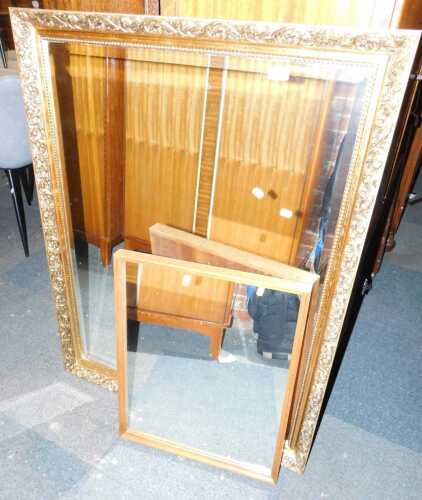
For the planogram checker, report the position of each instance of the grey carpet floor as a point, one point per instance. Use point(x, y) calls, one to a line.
point(58, 434)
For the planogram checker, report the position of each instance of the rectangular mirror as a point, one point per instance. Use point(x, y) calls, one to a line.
point(267, 138)
point(207, 359)
point(259, 162)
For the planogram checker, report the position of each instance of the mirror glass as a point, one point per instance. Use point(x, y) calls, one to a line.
point(250, 150)
point(208, 361)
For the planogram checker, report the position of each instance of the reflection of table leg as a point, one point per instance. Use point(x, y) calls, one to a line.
point(216, 340)
point(105, 250)
point(212, 330)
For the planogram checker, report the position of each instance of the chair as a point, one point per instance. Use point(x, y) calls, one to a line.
point(15, 155)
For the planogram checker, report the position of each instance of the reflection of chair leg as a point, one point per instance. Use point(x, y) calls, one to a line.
point(3, 49)
point(15, 191)
point(28, 181)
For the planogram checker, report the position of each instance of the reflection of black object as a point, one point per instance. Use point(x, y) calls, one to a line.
point(343, 154)
point(274, 314)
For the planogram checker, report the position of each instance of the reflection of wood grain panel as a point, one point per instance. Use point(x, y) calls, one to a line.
point(268, 140)
point(164, 243)
point(170, 242)
point(211, 120)
point(124, 6)
point(162, 291)
point(88, 76)
point(113, 157)
point(164, 108)
point(158, 296)
point(364, 13)
point(89, 91)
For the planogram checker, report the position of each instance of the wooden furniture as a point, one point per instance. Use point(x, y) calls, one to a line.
point(407, 159)
point(212, 200)
point(123, 6)
point(89, 88)
point(188, 177)
point(373, 14)
point(178, 300)
point(93, 151)
point(161, 154)
point(364, 13)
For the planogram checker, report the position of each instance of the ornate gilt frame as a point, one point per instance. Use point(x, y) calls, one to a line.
point(392, 53)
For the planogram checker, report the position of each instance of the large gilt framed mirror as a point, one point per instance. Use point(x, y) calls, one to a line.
point(270, 139)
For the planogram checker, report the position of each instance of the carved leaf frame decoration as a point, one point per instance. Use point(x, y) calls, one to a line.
point(398, 49)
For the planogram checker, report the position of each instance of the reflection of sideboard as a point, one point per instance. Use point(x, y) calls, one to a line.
point(89, 93)
point(215, 198)
point(110, 195)
point(220, 207)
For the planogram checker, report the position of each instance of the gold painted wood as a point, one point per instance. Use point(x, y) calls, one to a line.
point(163, 122)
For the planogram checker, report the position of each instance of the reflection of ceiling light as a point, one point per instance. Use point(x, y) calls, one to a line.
point(186, 280)
point(260, 291)
point(258, 192)
point(281, 73)
point(286, 213)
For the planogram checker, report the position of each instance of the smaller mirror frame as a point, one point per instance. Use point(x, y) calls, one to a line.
point(302, 289)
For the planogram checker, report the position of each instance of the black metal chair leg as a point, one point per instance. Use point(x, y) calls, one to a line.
point(15, 191)
point(3, 51)
point(27, 179)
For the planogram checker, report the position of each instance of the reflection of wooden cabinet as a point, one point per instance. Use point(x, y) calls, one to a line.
point(167, 171)
point(91, 96)
point(204, 137)
point(161, 157)
point(173, 298)
point(263, 122)
point(89, 90)
point(363, 13)
point(125, 6)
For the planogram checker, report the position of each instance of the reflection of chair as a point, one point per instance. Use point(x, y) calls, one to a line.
point(15, 155)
